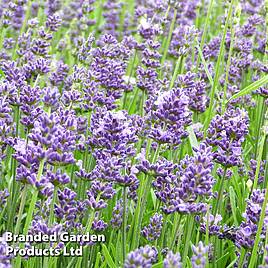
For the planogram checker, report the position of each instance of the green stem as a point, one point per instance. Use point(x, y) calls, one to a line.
point(228, 67)
point(15, 189)
point(171, 29)
point(132, 105)
point(22, 205)
point(34, 199)
point(204, 35)
point(175, 73)
point(132, 66)
point(2, 36)
point(207, 235)
point(23, 27)
point(162, 237)
point(2, 215)
point(219, 199)
point(242, 257)
point(261, 148)
point(175, 230)
point(51, 212)
point(253, 258)
point(111, 239)
point(124, 225)
point(218, 66)
point(143, 97)
point(143, 193)
point(188, 239)
point(87, 229)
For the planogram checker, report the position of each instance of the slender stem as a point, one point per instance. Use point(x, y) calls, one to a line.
point(228, 67)
point(87, 229)
point(22, 204)
point(175, 230)
point(2, 36)
point(188, 239)
point(171, 29)
point(132, 67)
point(260, 112)
point(2, 215)
point(242, 257)
point(219, 199)
point(14, 191)
point(53, 201)
point(175, 73)
point(261, 148)
point(111, 239)
point(131, 108)
point(218, 66)
point(162, 237)
point(142, 202)
point(34, 199)
point(143, 97)
point(124, 225)
point(253, 258)
point(207, 235)
point(265, 246)
point(204, 35)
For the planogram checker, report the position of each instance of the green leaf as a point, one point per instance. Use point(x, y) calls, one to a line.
point(108, 257)
point(233, 204)
point(232, 263)
point(158, 265)
point(193, 140)
point(205, 65)
point(2, 74)
point(218, 67)
point(97, 260)
point(188, 262)
point(250, 88)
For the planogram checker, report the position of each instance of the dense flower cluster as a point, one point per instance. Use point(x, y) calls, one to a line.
point(153, 231)
point(142, 257)
point(180, 187)
point(246, 233)
point(227, 133)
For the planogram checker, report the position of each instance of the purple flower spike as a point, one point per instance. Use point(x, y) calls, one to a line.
point(172, 260)
point(153, 231)
point(141, 257)
point(198, 259)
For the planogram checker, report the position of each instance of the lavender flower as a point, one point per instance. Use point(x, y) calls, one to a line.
point(117, 215)
point(153, 231)
point(227, 134)
point(99, 225)
point(170, 117)
point(172, 260)
point(252, 171)
point(3, 197)
point(141, 257)
point(246, 233)
point(198, 259)
point(179, 189)
point(5, 260)
point(213, 224)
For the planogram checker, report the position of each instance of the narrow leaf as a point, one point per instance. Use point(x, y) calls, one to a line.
point(158, 265)
point(108, 257)
point(205, 65)
point(233, 204)
point(250, 88)
point(192, 137)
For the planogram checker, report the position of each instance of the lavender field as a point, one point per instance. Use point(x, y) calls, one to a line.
point(133, 133)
